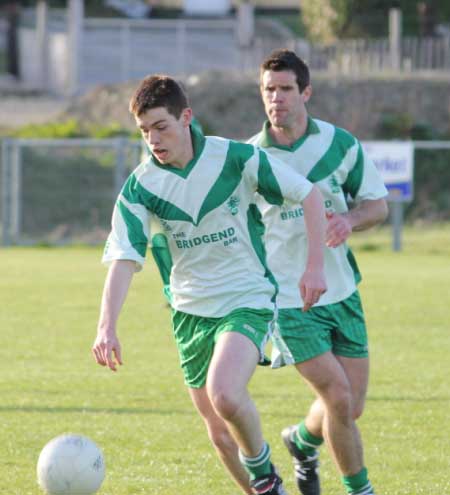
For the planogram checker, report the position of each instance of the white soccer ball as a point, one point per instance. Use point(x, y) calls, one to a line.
point(70, 465)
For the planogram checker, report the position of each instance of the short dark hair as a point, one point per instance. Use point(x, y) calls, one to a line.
point(284, 59)
point(158, 91)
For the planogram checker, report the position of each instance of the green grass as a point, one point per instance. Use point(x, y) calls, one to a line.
point(154, 442)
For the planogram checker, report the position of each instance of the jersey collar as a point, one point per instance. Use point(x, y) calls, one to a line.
point(266, 140)
point(198, 144)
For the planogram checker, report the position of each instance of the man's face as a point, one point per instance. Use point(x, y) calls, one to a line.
point(283, 102)
point(164, 134)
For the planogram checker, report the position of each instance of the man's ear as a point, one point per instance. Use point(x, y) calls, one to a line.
point(307, 93)
point(186, 117)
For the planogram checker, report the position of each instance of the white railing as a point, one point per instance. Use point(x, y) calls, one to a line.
point(119, 50)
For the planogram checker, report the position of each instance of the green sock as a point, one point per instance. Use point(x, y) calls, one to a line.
point(306, 441)
point(257, 466)
point(358, 484)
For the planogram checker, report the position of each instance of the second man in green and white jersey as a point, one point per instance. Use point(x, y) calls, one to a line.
point(328, 343)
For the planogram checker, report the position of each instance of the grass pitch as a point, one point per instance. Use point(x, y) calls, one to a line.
point(153, 440)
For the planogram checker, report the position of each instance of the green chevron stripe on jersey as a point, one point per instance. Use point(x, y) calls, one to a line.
point(135, 229)
point(135, 193)
point(335, 161)
point(354, 179)
point(238, 154)
point(256, 230)
point(352, 260)
point(217, 264)
point(162, 257)
point(332, 159)
point(268, 185)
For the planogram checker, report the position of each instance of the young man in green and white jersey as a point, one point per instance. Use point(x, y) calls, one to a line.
point(328, 343)
point(202, 191)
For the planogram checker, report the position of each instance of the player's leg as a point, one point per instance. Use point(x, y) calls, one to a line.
point(237, 352)
point(350, 346)
point(310, 339)
point(195, 343)
point(233, 363)
point(220, 437)
point(327, 378)
point(303, 337)
point(357, 372)
point(309, 433)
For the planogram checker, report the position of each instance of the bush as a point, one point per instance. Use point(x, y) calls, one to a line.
point(72, 129)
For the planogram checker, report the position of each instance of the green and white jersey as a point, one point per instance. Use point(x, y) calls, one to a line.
point(335, 161)
point(207, 212)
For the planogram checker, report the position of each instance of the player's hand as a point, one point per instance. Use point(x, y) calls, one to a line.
point(338, 230)
point(106, 350)
point(312, 285)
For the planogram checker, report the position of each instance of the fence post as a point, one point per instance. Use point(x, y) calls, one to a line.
point(75, 15)
point(42, 42)
point(16, 192)
point(6, 190)
point(245, 24)
point(120, 168)
point(395, 38)
point(396, 208)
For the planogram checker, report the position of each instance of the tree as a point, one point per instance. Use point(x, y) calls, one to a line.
point(325, 20)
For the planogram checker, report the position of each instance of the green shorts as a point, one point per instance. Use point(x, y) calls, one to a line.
point(196, 337)
point(339, 328)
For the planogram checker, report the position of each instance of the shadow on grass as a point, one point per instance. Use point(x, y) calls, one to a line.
point(381, 398)
point(408, 399)
point(95, 410)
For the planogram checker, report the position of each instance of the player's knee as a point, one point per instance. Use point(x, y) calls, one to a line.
point(358, 409)
point(220, 437)
point(225, 403)
point(339, 401)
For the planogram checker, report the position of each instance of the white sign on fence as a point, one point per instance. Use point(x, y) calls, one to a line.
point(395, 162)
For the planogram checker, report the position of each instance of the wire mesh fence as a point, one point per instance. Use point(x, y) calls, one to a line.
point(62, 191)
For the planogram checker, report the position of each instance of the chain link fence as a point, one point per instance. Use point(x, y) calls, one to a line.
point(62, 191)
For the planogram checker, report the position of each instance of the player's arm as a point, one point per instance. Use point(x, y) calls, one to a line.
point(365, 185)
point(312, 283)
point(278, 182)
point(365, 214)
point(106, 348)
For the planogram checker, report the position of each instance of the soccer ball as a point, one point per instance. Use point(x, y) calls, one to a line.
point(70, 465)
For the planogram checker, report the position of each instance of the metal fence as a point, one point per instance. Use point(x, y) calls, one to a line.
point(60, 191)
point(119, 50)
point(363, 56)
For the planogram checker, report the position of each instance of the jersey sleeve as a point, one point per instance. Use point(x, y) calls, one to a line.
point(159, 246)
point(364, 182)
point(130, 228)
point(278, 183)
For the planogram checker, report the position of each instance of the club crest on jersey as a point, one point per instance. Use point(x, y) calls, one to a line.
point(334, 185)
point(233, 204)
